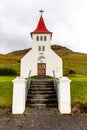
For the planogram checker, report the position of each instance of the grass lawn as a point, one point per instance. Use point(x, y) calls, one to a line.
point(15, 67)
point(6, 90)
point(78, 89)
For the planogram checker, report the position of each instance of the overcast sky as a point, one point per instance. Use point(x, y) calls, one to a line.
point(67, 19)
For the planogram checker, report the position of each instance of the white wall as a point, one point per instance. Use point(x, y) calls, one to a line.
point(54, 63)
point(26, 64)
point(64, 97)
point(19, 95)
point(52, 60)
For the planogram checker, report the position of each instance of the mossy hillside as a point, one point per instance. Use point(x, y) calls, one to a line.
point(71, 60)
point(79, 88)
point(6, 91)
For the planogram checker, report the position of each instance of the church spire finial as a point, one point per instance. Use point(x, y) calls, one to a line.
point(41, 11)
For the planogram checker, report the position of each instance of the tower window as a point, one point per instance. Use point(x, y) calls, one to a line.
point(41, 38)
point(39, 48)
point(37, 38)
point(45, 38)
point(43, 48)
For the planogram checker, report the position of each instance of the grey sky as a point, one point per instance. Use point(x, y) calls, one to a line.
point(67, 19)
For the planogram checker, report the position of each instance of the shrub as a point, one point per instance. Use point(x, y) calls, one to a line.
point(71, 72)
point(7, 72)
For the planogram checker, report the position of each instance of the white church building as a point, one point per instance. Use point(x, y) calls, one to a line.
point(41, 60)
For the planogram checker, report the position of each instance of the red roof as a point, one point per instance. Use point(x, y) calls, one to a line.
point(41, 28)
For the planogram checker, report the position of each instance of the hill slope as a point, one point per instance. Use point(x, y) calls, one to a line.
point(71, 60)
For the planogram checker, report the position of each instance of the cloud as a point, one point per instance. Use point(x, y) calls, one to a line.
point(67, 20)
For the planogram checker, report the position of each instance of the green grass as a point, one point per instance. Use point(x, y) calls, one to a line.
point(6, 90)
point(15, 67)
point(77, 62)
point(79, 89)
point(71, 60)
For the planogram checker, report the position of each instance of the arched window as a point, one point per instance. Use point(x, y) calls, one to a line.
point(42, 59)
point(37, 38)
point(43, 48)
point(45, 38)
point(39, 48)
point(41, 38)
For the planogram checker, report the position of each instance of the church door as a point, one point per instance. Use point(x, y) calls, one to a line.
point(41, 69)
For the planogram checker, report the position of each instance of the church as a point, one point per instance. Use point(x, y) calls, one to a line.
point(41, 60)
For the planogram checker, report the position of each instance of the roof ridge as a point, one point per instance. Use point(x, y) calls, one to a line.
point(41, 27)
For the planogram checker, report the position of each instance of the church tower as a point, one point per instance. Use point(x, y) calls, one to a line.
point(41, 36)
point(41, 60)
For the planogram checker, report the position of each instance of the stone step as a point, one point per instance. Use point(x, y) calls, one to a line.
point(42, 77)
point(41, 85)
point(38, 82)
point(38, 105)
point(42, 101)
point(41, 89)
point(42, 92)
point(40, 96)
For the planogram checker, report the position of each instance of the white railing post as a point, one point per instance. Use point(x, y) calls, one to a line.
point(19, 95)
point(64, 98)
point(54, 80)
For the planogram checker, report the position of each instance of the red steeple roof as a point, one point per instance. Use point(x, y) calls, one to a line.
point(41, 28)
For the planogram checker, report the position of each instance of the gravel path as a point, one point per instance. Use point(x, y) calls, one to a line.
point(46, 119)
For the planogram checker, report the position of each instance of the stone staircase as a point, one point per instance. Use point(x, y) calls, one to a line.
point(41, 93)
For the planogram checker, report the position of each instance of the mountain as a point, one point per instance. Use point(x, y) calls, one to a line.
point(71, 60)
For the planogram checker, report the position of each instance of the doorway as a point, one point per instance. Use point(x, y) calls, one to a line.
point(41, 69)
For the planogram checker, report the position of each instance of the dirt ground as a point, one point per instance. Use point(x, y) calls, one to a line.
point(41, 119)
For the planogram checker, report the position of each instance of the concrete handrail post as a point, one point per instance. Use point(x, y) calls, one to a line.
point(64, 98)
point(19, 95)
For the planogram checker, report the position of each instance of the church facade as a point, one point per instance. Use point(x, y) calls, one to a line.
point(41, 59)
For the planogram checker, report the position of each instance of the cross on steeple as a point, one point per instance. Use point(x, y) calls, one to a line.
point(41, 11)
point(41, 27)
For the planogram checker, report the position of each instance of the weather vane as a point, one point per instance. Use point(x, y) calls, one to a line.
point(41, 11)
